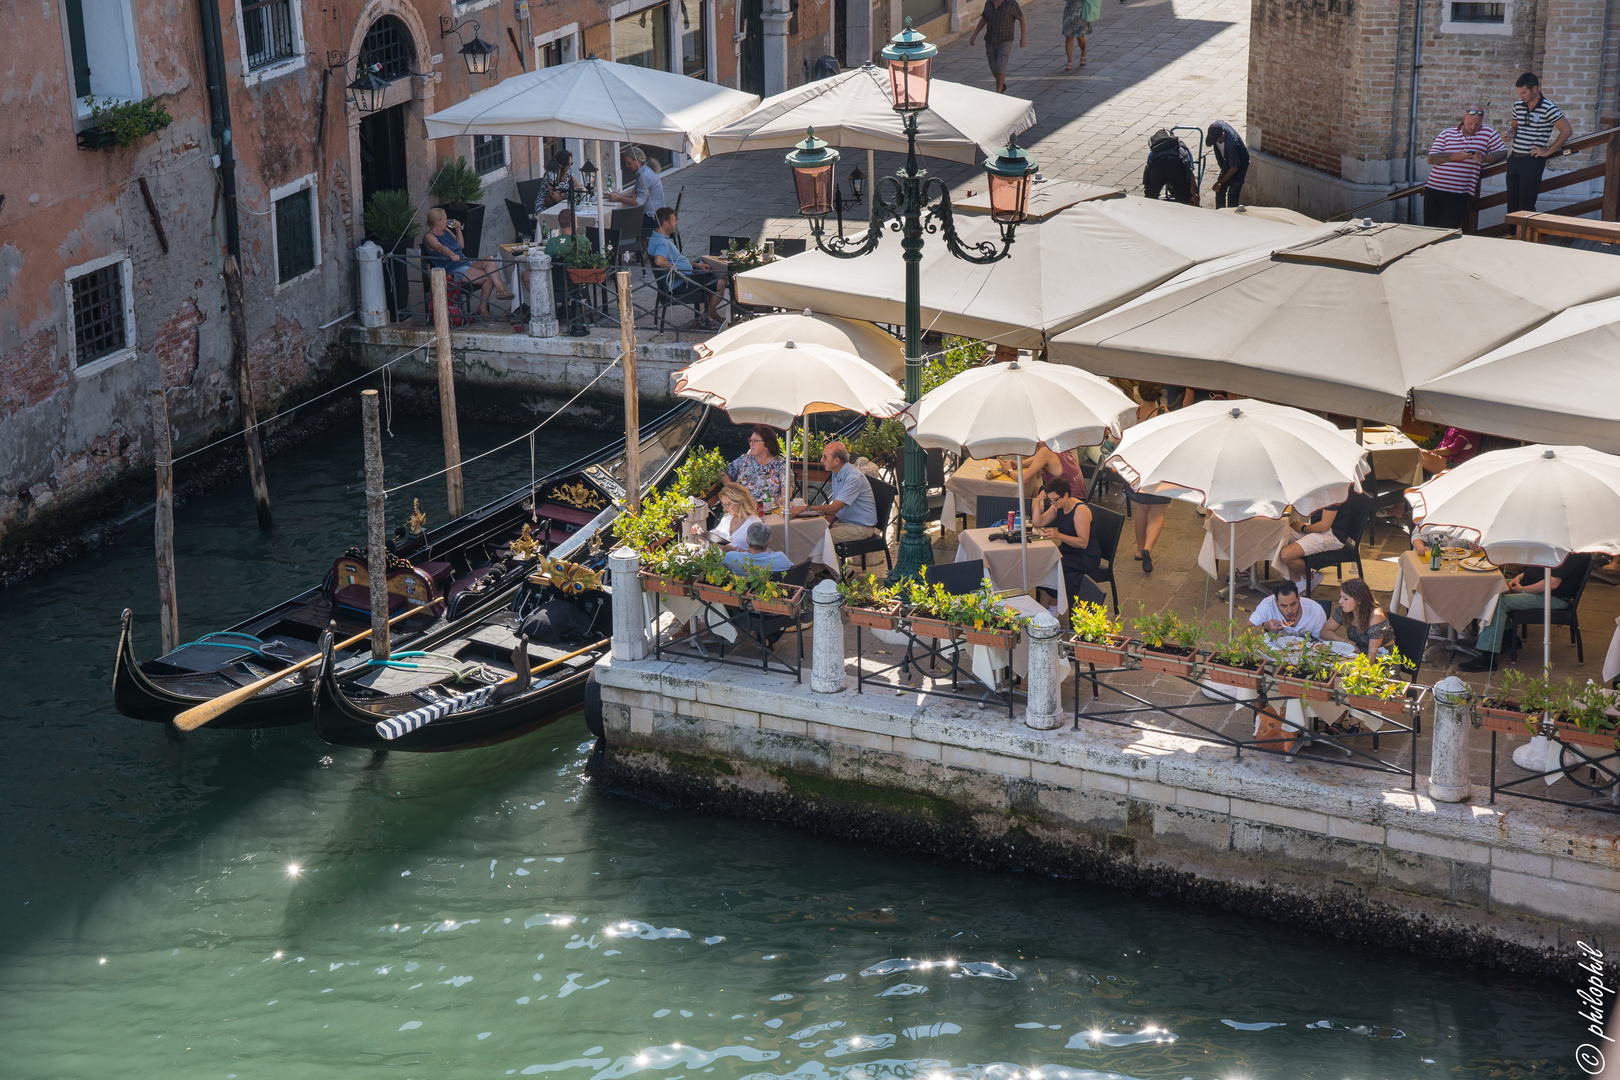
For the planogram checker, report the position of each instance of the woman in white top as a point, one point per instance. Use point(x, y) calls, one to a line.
point(740, 511)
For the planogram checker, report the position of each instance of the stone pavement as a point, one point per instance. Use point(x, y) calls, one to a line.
point(1151, 64)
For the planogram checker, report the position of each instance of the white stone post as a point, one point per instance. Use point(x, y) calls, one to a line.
point(1043, 711)
point(1448, 755)
point(629, 614)
point(774, 20)
point(542, 305)
point(373, 300)
point(827, 643)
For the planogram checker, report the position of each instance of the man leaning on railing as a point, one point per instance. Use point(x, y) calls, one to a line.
point(1455, 160)
point(1539, 130)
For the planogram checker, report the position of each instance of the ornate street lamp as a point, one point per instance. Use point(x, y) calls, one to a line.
point(368, 88)
point(477, 54)
point(905, 199)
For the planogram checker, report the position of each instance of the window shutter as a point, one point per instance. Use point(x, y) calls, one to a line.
point(81, 56)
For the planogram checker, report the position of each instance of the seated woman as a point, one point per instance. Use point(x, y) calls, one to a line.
point(1070, 525)
point(760, 471)
point(1359, 620)
point(740, 512)
point(442, 242)
point(1048, 464)
point(554, 181)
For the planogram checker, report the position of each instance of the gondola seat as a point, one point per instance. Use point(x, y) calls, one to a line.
point(407, 587)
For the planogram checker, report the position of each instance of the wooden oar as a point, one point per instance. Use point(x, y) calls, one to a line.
point(560, 659)
point(198, 715)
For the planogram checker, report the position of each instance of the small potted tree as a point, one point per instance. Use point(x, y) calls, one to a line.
point(1098, 639)
point(1373, 683)
point(584, 266)
point(1168, 643)
point(390, 221)
point(866, 603)
point(457, 187)
point(933, 610)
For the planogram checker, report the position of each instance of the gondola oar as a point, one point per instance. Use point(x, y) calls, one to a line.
point(198, 715)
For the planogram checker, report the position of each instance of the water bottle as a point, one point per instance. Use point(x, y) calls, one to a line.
point(1434, 554)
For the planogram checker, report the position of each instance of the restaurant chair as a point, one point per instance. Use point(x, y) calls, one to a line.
point(629, 222)
point(1108, 527)
point(528, 191)
point(995, 508)
point(1569, 616)
point(958, 578)
point(789, 246)
point(1411, 638)
point(883, 496)
point(1352, 522)
point(719, 244)
point(665, 297)
point(522, 220)
point(934, 483)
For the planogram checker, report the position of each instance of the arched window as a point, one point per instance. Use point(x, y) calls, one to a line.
point(388, 45)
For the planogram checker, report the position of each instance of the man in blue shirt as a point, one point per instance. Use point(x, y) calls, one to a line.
point(1233, 158)
point(850, 510)
point(684, 281)
point(759, 539)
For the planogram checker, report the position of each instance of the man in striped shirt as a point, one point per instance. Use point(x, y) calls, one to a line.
point(1536, 121)
point(1455, 159)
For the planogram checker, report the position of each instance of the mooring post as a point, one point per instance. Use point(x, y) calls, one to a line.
point(827, 644)
point(1045, 705)
point(376, 524)
point(244, 390)
point(632, 397)
point(542, 306)
point(629, 613)
point(1448, 756)
point(163, 531)
point(447, 394)
point(373, 296)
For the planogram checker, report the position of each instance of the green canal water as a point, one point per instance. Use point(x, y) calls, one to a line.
point(241, 906)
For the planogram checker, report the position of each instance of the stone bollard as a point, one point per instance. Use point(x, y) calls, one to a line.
point(373, 298)
point(1448, 757)
point(1043, 711)
point(827, 644)
point(629, 613)
point(542, 305)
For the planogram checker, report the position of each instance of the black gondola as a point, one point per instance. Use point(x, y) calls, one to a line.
point(460, 568)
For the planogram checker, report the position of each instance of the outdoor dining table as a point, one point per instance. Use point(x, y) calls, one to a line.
point(584, 215)
point(1258, 540)
point(811, 540)
point(1394, 456)
point(1003, 563)
point(1451, 595)
point(972, 479)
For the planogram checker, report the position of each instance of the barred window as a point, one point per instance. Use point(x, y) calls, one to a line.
point(489, 153)
point(1478, 13)
point(100, 323)
point(268, 36)
point(295, 235)
point(388, 45)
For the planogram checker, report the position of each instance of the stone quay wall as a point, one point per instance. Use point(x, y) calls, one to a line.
point(1353, 855)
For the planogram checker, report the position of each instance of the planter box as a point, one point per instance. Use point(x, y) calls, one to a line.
point(1395, 706)
point(1166, 662)
point(1231, 675)
point(995, 639)
point(714, 594)
point(785, 605)
point(1513, 723)
point(1501, 718)
point(1108, 653)
point(98, 139)
point(883, 618)
point(658, 583)
point(925, 627)
point(1291, 686)
point(585, 276)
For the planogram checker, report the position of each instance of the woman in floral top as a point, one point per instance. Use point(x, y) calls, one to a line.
point(760, 471)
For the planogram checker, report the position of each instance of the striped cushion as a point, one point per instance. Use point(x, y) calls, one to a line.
point(405, 723)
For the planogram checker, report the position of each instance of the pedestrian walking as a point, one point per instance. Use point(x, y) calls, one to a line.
point(1455, 159)
point(1233, 158)
point(1170, 169)
point(997, 24)
point(1539, 129)
point(1078, 15)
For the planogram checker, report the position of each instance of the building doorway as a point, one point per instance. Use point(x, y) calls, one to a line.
point(382, 152)
point(751, 63)
point(841, 32)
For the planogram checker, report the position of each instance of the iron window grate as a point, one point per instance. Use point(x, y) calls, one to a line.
point(387, 46)
point(267, 32)
point(295, 235)
point(98, 314)
point(489, 153)
point(1478, 13)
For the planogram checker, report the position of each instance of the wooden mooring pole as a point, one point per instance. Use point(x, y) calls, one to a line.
point(632, 397)
point(447, 394)
point(244, 390)
point(376, 524)
point(163, 530)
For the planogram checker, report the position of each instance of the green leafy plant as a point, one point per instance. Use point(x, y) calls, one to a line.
point(576, 254)
point(677, 561)
point(1588, 708)
point(1382, 677)
point(744, 256)
point(712, 569)
point(865, 592)
point(456, 182)
point(655, 525)
point(760, 583)
point(816, 444)
point(1092, 623)
point(983, 609)
point(701, 472)
point(932, 600)
point(880, 441)
point(390, 219)
point(129, 120)
point(1241, 645)
point(1315, 660)
point(959, 355)
point(1166, 628)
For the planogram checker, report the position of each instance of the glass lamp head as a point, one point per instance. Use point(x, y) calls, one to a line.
point(368, 88)
point(812, 162)
point(477, 54)
point(1011, 174)
point(910, 57)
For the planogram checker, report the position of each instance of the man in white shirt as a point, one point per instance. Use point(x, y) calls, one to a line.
point(1283, 614)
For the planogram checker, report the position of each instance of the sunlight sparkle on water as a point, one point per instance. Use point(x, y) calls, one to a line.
point(293, 869)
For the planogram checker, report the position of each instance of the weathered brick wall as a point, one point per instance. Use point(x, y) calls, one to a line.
point(1299, 54)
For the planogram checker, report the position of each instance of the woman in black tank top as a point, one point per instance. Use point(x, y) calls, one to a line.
point(1070, 525)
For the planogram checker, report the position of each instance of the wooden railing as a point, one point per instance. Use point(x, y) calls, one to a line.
point(1608, 204)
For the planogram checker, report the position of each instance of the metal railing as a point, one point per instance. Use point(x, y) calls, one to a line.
point(1586, 773)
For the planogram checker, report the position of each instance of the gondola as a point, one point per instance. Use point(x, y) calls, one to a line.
point(459, 570)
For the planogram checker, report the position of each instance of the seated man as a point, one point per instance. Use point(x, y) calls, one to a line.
point(1317, 536)
point(685, 282)
point(1426, 536)
point(1283, 614)
point(1524, 593)
point(442, 243)
point(851, 511)
point(758, 539)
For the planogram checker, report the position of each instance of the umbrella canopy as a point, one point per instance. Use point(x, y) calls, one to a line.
point(882, 350)
point(1531, 504)
point(1554, 384)
point(1013, 407)
point(1073, 266)
point(1046, 197)
point(855, 110)
point(1242, 459)
point(595, 99)
point(775, 383)
point(1273, 213)
point(1345, 322)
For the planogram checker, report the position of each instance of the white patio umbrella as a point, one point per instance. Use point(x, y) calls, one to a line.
point(598, 100)
point(1531, 505)
point(1239, 460)
point(1012, 408)
point(877, 347)
point(775, 383)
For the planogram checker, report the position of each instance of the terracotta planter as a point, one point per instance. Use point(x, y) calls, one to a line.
point(714, 594)
point(1232, 675)
point(1395, 706)
point(1167, 662)
point(995, 639)
point(1108, 653)
point(1579, 736)
point(1502, 718)
point(586, 276)
point(1291, 686)
point(784, 605)
point(1517, 723)
point(883, 618)
point(925, 627)
point(658, 583)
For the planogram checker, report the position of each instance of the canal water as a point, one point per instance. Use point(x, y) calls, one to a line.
point(240, 906)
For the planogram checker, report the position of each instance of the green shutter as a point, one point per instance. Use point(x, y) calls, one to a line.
point(81, 56)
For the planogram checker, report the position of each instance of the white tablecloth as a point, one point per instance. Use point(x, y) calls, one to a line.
point(964, 486)
point(1611, 662)
point(1445, 596)
point(1258, 540)
point(811, 540)
point(987, 663)
point(1394, 456)
point(584, 214)
point(1004, 563)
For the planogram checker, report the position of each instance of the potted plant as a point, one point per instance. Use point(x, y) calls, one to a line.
point(457, 187)
point(768, 595)
point(715, 582)
point(1097, 638)
point(584, 266)
point(1241, 659)
point(653, 527)
point(670, 571)
point(882, 442)
point(1302, 671)
point(986, 620)
point(1505, 710)
point(700, 475)
point(806, 446)
point(1373, 683)
point(1590, 719)
point(1167, 642)
point(390, 220)
point(933, 610)
point(866, 603)
point(119, 123)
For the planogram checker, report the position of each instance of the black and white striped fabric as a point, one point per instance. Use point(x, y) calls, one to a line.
point(1534, 128)
point(405, 723)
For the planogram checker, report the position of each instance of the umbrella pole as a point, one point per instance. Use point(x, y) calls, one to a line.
point(787, 507)
point(1546, 622)
point(1023, 533)
point(1231, 571)
point(601, 214)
